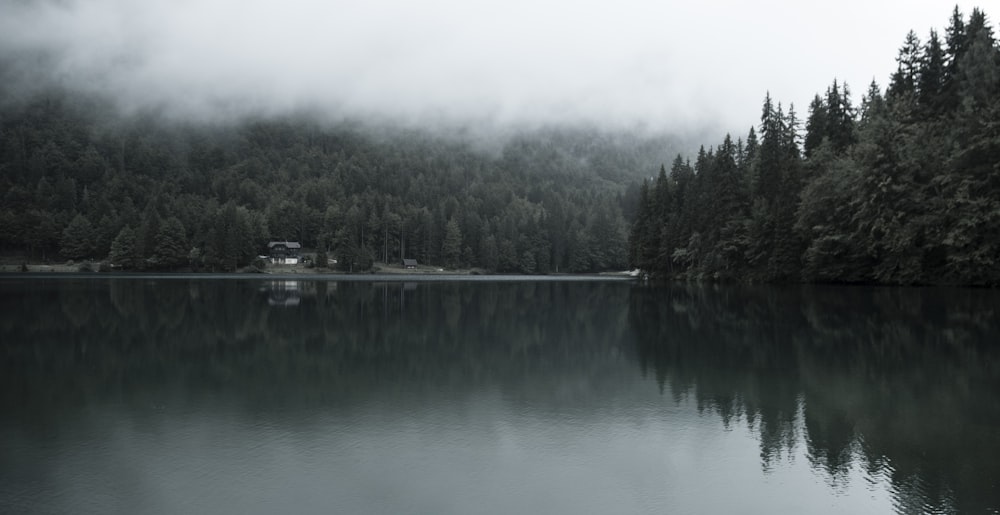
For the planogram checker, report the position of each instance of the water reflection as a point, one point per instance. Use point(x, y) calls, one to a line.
point(901, 382)
point(302, 336)
point(284, 293)
point(897, 384)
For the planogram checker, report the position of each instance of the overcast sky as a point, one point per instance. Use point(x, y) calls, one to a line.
point(668, 64)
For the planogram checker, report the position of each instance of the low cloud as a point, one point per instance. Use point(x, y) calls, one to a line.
point(665, 65)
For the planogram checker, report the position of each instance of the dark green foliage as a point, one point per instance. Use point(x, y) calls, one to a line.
point(77, 239)
point(644, 237)
point(452, 246)
point(905, 79)
point(816, 126)
point(490, 254)
point(840, 117)
point(932, 76)
point(321, 260)
point(905, 190)
point(830, 119)
point(123, 250)
point(360, 194)
point(232, 239)
point(171, 249)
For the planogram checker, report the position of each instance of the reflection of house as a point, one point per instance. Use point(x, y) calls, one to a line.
point(409, 263)
point(284, 252)
point(292, 293)
point(283, 293)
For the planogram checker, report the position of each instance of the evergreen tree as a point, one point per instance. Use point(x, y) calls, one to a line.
point(932, 77)
point(640, 242)
point(452, 245)
point(816, 125)
point(528, 263)
point(78, 239)
point(956, 46)
point(507, 256)
point(729, 237)
point(840, 119)
point(123, 250)
point(149, 228)
point(904, 80)
point(490, 254)
point(903, 191)
point(231, 243)
point(171, 250)
point(872, 104)
point(978, 74)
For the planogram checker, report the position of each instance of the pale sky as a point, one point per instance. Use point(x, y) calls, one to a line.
point(666, 64)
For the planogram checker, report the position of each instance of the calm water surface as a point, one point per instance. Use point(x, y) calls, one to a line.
point(251, 396)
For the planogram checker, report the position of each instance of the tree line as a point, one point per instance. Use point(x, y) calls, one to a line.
point(901, 189)
point(80, 182)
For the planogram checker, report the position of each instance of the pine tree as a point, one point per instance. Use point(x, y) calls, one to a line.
point(676, 230)
point(932, 77)
point(171, 249)
point(123, 250)
point(643, 239)
point(971, 187)
point(904, 80)
point(731, 200)
point(840, 118)
point(816, 125)
point(77, 239)
point(956, 46)
point(768, 173)
point(978, 74)
point(451, 248)
point(872, 103)
point(231, 243)
point(490, 254)
point(149, 227)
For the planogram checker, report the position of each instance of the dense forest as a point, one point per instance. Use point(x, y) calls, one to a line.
point(901, 189)
point(81, 182)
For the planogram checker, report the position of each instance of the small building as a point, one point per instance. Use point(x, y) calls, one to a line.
point(409, 263)
point(284, 252)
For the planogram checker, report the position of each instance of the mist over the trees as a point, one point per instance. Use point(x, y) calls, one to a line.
point(669, 66)
point(902, 187)
point(135, 148)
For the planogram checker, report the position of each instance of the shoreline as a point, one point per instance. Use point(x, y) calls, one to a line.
point(300, 276)
point(380, 272)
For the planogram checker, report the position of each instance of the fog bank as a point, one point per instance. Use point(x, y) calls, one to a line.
point(666, 65)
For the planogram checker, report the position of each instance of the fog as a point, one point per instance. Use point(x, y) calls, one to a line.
point(668, 65)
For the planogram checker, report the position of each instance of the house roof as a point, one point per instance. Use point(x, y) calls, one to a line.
point(287, 244)
point(409, 262)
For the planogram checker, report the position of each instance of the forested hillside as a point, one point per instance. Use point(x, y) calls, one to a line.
point(903, 188)
point(80, 182)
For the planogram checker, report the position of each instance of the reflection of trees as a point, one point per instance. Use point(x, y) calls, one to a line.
point(730, 351)
point(141, 338)
point(901, 382)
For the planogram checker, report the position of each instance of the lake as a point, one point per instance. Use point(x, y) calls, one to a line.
point(397, 395)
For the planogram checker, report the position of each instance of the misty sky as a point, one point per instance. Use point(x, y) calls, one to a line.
point(668, 64)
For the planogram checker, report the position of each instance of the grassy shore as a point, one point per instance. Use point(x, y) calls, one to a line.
point(15, 265)
point(38, 267)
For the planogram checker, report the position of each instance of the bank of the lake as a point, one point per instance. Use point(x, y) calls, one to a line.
point(34, 269)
